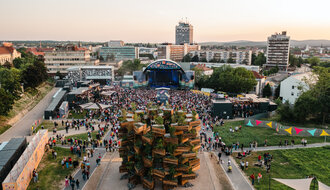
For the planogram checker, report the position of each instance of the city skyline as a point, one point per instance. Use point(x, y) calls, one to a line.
point(155, 21)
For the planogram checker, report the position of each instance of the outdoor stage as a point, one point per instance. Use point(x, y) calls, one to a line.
point(164, 73)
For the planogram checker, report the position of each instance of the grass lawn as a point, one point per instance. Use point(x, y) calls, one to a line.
point(49, 125)
point(83, 136)
point(291, 164)
point(50, 171)
point(259, 134)
point(27, 101)
point(74, 115)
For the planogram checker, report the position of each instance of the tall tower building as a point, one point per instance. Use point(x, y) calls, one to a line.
point(183, 33)
point(278, 51)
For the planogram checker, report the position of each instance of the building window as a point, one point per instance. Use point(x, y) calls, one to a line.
point(292, 93)
point(292, 87)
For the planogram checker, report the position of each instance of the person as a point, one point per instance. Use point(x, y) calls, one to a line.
point(55, 155)
point(252, 178)
point(219, 155)
point(259, 177)
point(230, 168)
point(229, 163)
point(242, 165)
point(246, 164)
point(66, 181)
point(265, 143)
point(77, 184)
point(72, 183)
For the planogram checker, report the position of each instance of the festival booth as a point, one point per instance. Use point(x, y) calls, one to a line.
point(52, 110)
point(78, 96)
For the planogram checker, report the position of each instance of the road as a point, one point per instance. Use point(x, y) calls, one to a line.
point(23, 126)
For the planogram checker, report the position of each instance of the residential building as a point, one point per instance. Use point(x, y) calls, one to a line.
point(206, 70)
point(293, 86)
point(278, 51)
point(62, 58)
point(260, 83)
point(8, 53)
point(175, 52)
point(210, 65)
point(222, 56)
point(39, 51)
point(118, 53)
point(183, 33)
point(115, 43)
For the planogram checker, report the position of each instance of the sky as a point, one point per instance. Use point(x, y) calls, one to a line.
point(154, 20)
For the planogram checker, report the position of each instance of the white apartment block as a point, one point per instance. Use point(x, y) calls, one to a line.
point(61, 60)
point(293, 86)
point(222, 56)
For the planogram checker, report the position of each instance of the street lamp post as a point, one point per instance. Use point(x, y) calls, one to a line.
point(325, 137)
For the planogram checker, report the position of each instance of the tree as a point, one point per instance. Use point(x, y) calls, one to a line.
point(195, 59)
point(234, 80)
point(285, 111)
point(6, 101)
point(313, 61)
point(277, 91)
point(7, 65)
point(230, 60)
point(34, 74)
point(18, 62)
point(10, 81)
point(59, 75)
point(267, 91)
point(186, 58)
point(260, 60)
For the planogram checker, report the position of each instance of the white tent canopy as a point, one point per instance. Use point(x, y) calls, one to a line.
point(323, 186)
point(94, 106)
point(107, 93)
point(298, 184)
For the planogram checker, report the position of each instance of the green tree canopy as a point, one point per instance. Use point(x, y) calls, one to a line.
point(267, 91)
point(259, 60)
point(6, 101)
point(234, 80)
point(10, 81)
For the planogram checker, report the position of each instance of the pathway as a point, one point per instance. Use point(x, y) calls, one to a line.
point(265, 148)
point(23, 126)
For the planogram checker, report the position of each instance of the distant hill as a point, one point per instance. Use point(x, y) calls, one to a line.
point(299, 43)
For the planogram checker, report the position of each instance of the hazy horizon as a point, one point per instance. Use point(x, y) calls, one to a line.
point(154, 21)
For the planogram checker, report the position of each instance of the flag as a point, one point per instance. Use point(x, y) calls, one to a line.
point(312, 132)
point(258, 122)
point(269, 124)
point(289, 130)
point(324, 133)
point(249, 124)
point(298, 130)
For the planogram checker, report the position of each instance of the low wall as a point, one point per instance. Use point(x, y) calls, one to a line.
point(21, 174)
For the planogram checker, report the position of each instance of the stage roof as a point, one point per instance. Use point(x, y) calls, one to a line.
point(163, 64)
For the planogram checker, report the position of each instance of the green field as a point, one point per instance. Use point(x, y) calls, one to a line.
point(291, 164)
point(50, 171)
point(74, 115)
point(83, 136)
point(49, 125)
point(259, 134)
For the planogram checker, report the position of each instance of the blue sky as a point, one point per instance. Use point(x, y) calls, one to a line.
point(155, 20)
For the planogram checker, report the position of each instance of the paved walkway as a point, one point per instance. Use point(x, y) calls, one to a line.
point(265, 148)
point(23, 126)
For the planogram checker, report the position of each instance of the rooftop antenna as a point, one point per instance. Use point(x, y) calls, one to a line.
point(186, 20)
point(40, 44)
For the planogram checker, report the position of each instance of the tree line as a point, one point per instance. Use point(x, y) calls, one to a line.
point(227, 79)
point(26, 72)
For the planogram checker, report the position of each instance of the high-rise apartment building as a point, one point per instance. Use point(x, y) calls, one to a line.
point(175, 52)
point(183, 33)
point(278, 51)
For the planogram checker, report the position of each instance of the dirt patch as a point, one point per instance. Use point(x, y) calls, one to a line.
point(220, 174)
